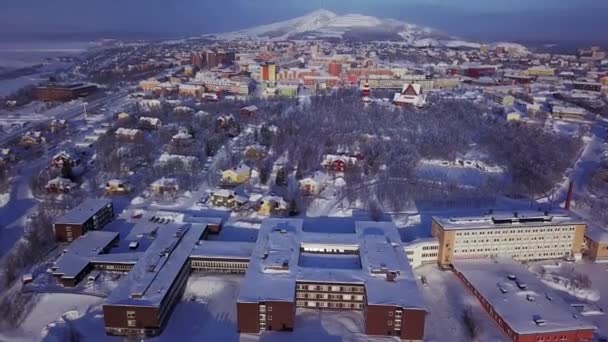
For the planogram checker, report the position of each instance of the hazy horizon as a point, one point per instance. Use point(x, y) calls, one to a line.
point(518, 20)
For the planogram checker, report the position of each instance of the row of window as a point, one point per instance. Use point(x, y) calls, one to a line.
point(518, 231)
point(218, 264)
point(330, 288)
point(426, 248)
point(504, 239)
point(331, 305)
point(429, 255)
point(516, 248)
point(329, 296)
point(514, 256)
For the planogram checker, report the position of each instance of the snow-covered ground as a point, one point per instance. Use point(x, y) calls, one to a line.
point(594, 299)
point(45, 321)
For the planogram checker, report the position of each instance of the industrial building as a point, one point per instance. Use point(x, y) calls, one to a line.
point(63, 92)
point(363, 269)
point(92, 214)
point(523, 236)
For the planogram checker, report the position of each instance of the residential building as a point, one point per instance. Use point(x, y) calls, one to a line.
point(92, 214)
point(236, 175)
point(522, 236)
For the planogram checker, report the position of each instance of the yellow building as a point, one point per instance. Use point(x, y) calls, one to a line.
point(540, 71)
point(237, 175)
point(522, 236)
point(514, 116)
point(150, 85)
point(272, 205)
point(596, 244)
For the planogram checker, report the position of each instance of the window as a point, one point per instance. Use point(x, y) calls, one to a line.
point(270, 317)
point(390, 313)
point(270, 308)
point(131, 322)
point(390, 322)
point(130, 314)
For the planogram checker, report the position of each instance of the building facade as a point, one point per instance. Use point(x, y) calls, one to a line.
point(92, 214)
point(524, 236)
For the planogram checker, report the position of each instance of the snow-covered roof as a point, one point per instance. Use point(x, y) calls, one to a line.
point(275, 265)
point(77, 256)
point(597, 234)
point(235, 250)
point(152, 277)
point(508, 220)
point(251, 108)
point(168, 158)
point(84, 211)
point(525, 304)
point(127, 131)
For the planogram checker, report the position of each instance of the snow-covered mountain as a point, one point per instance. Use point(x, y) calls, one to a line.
point(326, 24)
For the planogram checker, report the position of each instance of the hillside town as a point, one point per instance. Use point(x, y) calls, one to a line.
point(255, 185)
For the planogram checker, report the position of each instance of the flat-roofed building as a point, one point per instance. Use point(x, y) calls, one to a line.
point(141, 304)
point(524, 307)
point(422, 251)
point(75, 260)
point(92, 214)
point(221, 256)
point(522, 236)
point(363, 268)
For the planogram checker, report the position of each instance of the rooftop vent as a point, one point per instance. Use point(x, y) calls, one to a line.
point(521, 285)
point(548, 296)
point(512, 277)
point(502, 289)
point(530, 298)
point(538, 320)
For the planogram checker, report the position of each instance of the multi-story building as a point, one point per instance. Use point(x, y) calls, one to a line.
point(92, 214)
point(522, 236)
point(75, 261)
point(142, 302)
point(521, 304)
point(422, 251)
point(63, 92)
point(363, 269)
point(269, 73)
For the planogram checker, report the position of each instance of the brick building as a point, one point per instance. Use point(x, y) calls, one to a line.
point(363, 269)
point(521, 304)
point(63, 92)
point(92, 214)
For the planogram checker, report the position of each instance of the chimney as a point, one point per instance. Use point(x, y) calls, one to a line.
point(569, 196)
